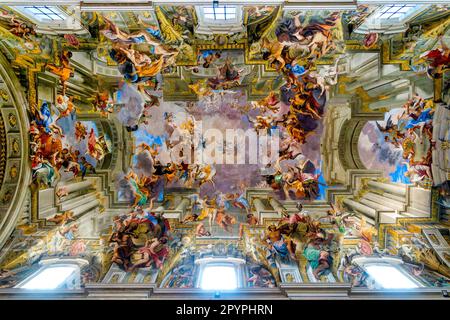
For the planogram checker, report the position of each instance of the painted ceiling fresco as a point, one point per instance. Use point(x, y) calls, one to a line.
point(295, 143)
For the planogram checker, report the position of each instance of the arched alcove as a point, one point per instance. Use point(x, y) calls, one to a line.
point(376, 154)
point(348, 142)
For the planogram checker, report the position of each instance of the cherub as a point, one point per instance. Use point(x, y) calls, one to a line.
point(339, 218)
point(268, 103)
point(101, 103)
point(208, 56)
point(21, 29)
point(65, 71)
point(200, 231)
point(224, 220)
point(272, 52)
point(62, 192)
point(62, 218)
point(263, 123)
point(205, 173)
point(65, 107)
point(155, 250)
point(392, 132)
point(80, 131)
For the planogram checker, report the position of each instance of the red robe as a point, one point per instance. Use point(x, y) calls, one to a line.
point(91, 142)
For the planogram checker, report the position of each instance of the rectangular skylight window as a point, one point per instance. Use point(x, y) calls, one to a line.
point(43, 13)
point(395, 11)
point(220, 13)
point(49, 278)
point(219, 277)
point(390, 277)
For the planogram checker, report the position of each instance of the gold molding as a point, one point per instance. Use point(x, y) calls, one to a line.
point(355, 45)
point(437, 88)
point(166, 27)
point(214, 46)
point(387, 59)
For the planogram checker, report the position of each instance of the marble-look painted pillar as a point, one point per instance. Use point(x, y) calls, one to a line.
point(390, 188)
point(85, 207)
point(361, 208)
point(276, 205)
point(183, 204)
point(78, 186)
point(259, 205)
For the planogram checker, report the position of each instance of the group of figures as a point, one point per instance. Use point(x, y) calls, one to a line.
point(149, 176)
point(220, 210)
point(140, 239)
point(155, 177)
point(52, 151)
point(411, 130)
point(183, 274)
point(315, 246)
point(53, 125)
point(292, 49)
point(299, 234)
point(140, 70)
point(227, 75)
point(436, 61)
point(417, 256)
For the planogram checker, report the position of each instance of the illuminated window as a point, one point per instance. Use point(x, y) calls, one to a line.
point(390, 277)
point(390, 19)
point(43, 13)
point(219, 12)
point(219, 277)
point(395, 11)
point(50, 277)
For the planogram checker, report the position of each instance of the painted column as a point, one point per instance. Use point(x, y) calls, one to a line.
point(361, 208)
point(182, 205)
point(78, 186)
point(276, 205)
point(390, 188)
point(86, 207)
point(259, 205)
